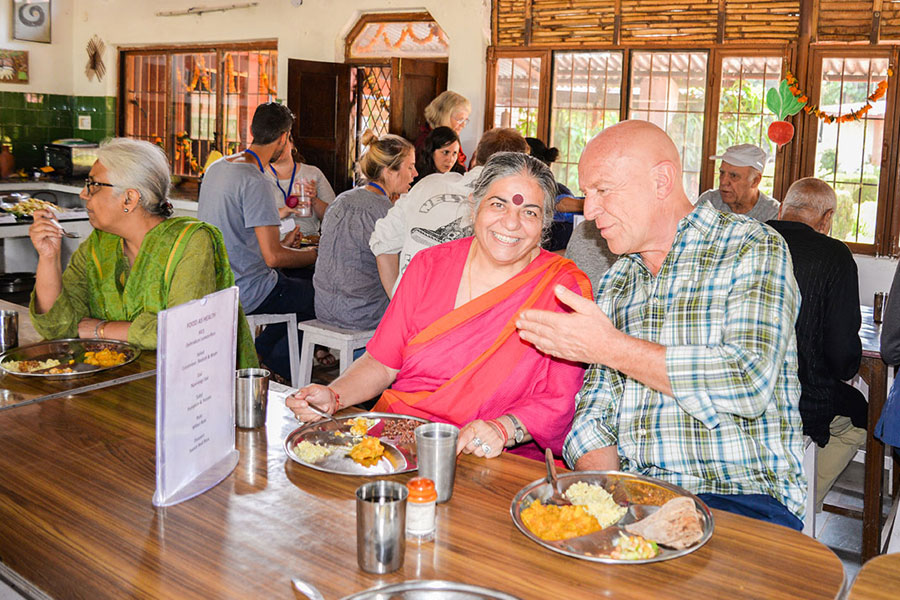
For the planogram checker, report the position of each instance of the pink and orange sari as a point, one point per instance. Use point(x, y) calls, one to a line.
point(458, 365)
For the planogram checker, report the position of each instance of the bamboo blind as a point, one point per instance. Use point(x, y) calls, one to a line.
point(845, 20)
point(550, 23)
point(669, 20)
point(509, 20)
point(890, 20)
point(571, 21)
point(762, 21)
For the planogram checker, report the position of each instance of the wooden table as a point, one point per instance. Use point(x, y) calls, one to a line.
point(18, 390)
point(879, 579)
point(875, 373)
point(76, 520)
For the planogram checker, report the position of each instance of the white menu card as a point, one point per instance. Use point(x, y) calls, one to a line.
point(196, 351)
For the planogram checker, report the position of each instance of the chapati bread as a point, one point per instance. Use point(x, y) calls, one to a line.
point(676, 524)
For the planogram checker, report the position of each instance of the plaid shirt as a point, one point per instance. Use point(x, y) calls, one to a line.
point(724, 305)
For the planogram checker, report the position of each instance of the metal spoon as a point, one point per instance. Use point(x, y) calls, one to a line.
point(323, 414)
point(307, 589)
point(557, 498)
point(65, 233)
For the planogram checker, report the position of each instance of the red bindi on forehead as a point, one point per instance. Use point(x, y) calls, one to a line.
point(518, 199)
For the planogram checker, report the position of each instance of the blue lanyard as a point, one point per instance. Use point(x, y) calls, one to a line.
point(379, 188)
point(290, 185)
point(259, 162)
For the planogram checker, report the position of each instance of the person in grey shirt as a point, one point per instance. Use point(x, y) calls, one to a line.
point(739, 177)
point(236, 197)
point(349, 292)
point(590, 252)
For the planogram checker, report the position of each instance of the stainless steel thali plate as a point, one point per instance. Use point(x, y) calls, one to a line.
point(641, 494)
point(70, 353)
point(431, 590)
point(399, 454)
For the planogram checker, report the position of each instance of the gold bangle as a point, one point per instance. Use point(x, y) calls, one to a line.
point(98, 328)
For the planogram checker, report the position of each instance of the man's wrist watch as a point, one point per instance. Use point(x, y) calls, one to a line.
point(519, 434)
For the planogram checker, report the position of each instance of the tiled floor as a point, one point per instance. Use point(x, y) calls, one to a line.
point(844, 534)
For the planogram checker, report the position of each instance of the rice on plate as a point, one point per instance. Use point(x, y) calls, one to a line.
point(596, 501)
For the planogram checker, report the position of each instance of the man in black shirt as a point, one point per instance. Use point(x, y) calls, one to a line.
point(828, 345)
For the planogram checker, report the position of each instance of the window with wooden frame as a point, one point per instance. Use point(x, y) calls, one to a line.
point(517, 93)
point(193, 100)
point(844, 142)
point(587, 98)
point(669, 89)
point(742, 114)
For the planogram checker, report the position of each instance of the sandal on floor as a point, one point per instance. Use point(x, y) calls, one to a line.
point(325, 358)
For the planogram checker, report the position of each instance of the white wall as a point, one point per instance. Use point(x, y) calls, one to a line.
point(313, 31)
point(51, 67)
point(875, 275)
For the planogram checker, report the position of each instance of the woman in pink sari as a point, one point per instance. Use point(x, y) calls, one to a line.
point(447, 348)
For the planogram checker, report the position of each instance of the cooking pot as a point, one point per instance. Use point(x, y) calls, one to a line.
point(11, 283)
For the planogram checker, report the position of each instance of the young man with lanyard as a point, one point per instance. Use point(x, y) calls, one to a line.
point(236, 197)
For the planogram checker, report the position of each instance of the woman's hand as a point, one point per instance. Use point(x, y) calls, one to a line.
point(309, 187)
point(46, 237)
point(87, 328)
point(480, 439)
point(318, 396)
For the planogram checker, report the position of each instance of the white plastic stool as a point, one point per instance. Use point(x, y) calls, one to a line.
point(289, 319)
point(810, 450)
point(343, 340)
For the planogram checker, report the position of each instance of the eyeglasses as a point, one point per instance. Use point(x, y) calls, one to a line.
point(461, 122)
point(91, 186)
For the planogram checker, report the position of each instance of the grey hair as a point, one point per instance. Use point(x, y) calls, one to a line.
point(809, 195)
point(138, 165)
point(507, 164)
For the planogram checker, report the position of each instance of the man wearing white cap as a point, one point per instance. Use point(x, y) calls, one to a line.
point(739, 177)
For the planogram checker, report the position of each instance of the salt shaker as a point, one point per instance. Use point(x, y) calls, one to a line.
point(420, 509)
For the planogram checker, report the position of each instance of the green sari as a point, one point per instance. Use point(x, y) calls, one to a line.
point(173, 266)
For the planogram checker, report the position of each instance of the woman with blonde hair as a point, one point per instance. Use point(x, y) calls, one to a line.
point(449, 109)
point(348, 289)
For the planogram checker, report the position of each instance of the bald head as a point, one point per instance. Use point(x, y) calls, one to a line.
point(631, 175)
point(640, 141)
point(811, 201)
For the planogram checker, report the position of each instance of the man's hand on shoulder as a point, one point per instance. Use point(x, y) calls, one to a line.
point(579, 336)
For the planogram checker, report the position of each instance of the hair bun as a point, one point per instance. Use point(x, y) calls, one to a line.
point(368, 137)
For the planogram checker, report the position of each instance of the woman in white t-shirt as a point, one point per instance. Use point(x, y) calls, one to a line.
point(289, 172)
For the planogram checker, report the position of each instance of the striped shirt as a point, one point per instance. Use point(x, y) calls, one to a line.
point(724, 305)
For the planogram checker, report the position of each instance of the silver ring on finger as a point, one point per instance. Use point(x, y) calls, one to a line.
point(476, 441)
point(486, 448)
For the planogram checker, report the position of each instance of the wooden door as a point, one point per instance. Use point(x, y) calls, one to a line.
point(319, 97)
point(414, 83)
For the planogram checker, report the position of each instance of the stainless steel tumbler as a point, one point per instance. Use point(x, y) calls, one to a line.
point(251, 391)
point(9, 330)
point(381, 526)
point(436, 456)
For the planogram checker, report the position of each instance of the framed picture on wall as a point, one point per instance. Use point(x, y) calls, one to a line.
point(31, 20)
point(13, 66)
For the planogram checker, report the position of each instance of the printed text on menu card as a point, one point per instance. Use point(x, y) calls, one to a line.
point(195, 429)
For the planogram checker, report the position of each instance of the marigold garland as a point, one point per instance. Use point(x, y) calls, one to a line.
point(854, 115)
point(407, 32)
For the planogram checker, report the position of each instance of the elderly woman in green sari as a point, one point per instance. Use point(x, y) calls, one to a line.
point(138, 260)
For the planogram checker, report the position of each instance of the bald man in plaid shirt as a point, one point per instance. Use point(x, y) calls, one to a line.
point(691, 340)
